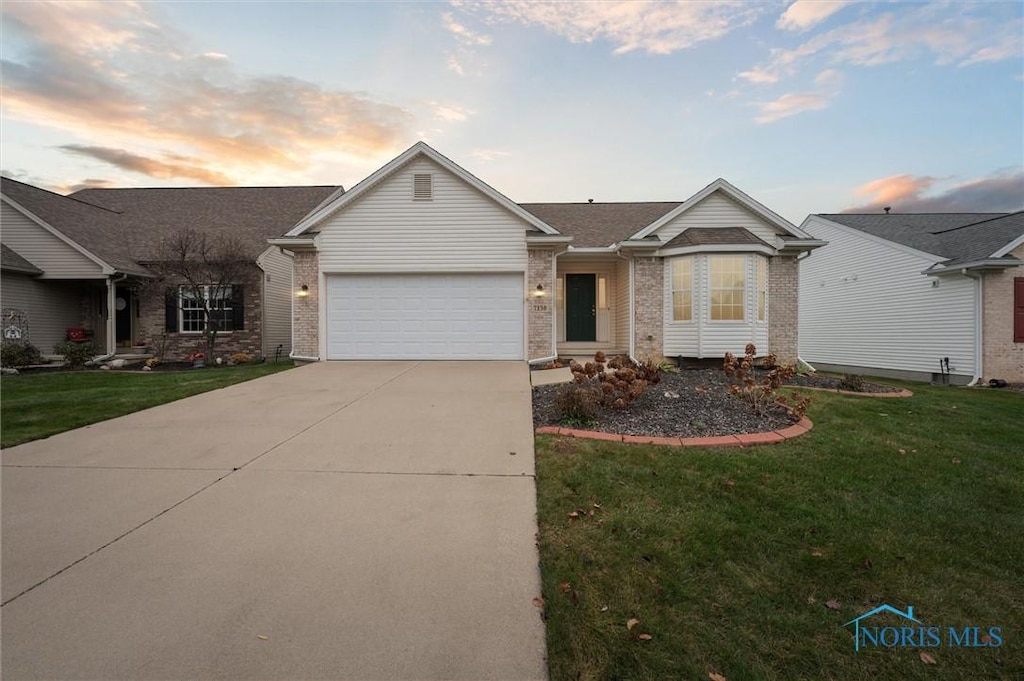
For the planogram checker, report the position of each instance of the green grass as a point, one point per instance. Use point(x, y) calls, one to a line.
point(40, 405)
point(728, 556)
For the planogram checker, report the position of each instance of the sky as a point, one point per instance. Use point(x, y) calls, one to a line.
point(809, 107)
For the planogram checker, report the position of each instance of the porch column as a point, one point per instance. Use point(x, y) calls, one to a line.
point(111, 344)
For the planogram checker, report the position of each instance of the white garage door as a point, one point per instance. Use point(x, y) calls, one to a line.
point(425, 316)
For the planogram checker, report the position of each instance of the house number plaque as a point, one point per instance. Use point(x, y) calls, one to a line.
point(540, 308)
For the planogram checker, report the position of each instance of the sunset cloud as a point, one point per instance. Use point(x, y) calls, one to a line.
point(803, 14)
point(997, 193)
point(175, 165)
point(827, 85)
point(109, 71)
point(654, 27)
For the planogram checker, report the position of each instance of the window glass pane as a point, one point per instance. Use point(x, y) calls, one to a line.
point(602, 293)
point(682, 290)
point(728, 284)
point(193, 305)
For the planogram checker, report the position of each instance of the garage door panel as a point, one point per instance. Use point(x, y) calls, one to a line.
point(406, 316)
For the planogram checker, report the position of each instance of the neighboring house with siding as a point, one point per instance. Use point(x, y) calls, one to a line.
point(423, 260)
point(895, 294)
point(86, 261)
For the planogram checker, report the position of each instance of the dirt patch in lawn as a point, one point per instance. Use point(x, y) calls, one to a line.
point(691, 403)
point(837, 383)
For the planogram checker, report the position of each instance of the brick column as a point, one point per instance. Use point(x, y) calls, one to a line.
point(648, 308)
point(306, 313)
point(783, 299)
point(540, 310)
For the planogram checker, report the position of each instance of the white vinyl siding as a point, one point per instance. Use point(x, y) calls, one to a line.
point(278, 294)
point(425, 316)
point(702, 336)
point(865, 303)
point(57, 259)
point(386, 230)
point(718, 210)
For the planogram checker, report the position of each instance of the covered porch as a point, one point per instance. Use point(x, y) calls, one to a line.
point(592, 303)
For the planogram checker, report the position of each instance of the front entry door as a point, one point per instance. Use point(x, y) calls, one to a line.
point(123, 316)
point(580, 307)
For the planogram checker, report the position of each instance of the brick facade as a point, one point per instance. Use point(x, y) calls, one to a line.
point(540, 310)
point(1002, 358)
point(648, 308)
point(306, 313)
point(783, 308)
point(173, 346)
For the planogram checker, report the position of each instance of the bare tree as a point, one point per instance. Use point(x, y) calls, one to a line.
point(208, 268)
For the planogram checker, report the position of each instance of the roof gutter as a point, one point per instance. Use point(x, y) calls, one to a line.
point(293, 242)
point(974, 266)
point(979, 319)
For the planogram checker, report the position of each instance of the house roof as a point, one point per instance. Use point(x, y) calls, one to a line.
point(713, 236)
point(599, 224)
point(959, 237)
point(12, 260)
point(91, 227)
point(254, 214)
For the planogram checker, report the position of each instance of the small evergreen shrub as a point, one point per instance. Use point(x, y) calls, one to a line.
point(19, 354)
point(75, 354)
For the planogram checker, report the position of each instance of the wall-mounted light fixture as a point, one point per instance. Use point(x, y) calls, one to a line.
point(538, 292)
point(303, 292)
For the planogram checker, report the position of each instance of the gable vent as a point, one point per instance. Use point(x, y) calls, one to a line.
point(422, 187)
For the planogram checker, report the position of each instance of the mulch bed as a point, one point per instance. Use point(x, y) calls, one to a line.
point(703, 408)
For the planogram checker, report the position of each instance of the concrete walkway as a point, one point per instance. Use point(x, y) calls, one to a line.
point(363, 520)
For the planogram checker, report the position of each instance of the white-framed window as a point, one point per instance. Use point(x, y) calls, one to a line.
point(762, 288)
point(682, 289)
point(192, 303)
point(728, 287)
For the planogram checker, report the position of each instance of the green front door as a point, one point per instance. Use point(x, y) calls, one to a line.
point(580, 307)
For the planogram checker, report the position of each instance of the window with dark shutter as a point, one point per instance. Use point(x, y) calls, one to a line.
point(171, 310)
point(237, 307)
point(422, 187)
point(1018, 310)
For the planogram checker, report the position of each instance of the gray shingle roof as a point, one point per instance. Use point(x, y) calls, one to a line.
point(254, 214)
point(94, 228)
point(958, 237)
point(708, 236)
point(599, 224)
point(124, 227)
point(12, 260)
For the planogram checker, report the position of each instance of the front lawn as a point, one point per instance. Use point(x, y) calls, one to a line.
point(746, 563)
point(40, 405)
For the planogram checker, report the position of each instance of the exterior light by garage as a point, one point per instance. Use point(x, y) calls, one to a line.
point(539, 292)
point(303, 292)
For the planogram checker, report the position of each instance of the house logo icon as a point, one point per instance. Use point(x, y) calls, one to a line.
point(885, 607)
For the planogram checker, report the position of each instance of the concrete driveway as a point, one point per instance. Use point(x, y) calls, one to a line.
point(357, 520)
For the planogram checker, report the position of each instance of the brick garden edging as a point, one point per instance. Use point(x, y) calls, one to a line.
point(742, 440)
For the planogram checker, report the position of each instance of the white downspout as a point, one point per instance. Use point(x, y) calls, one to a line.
point(979, 320)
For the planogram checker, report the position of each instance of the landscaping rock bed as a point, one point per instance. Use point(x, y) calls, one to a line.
point(703, 408)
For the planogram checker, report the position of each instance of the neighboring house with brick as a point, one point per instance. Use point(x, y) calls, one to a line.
point(423, 260)
point(897, 294)
point(86, 261)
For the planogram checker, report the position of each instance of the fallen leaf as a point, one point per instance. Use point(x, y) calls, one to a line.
point(956, 459)
point(645, 637)
point(817, 554)
point(632, 622)
point(812, 600)
point(574, 514)
point(715, 676)
point(730, 483)
point(927, 659)
point(902, 451)
point(833, 604)
point(597, 505)
point(539, 602)
point(868, 564)
point(604, 608)
point(564, 587)
point(262, 637)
